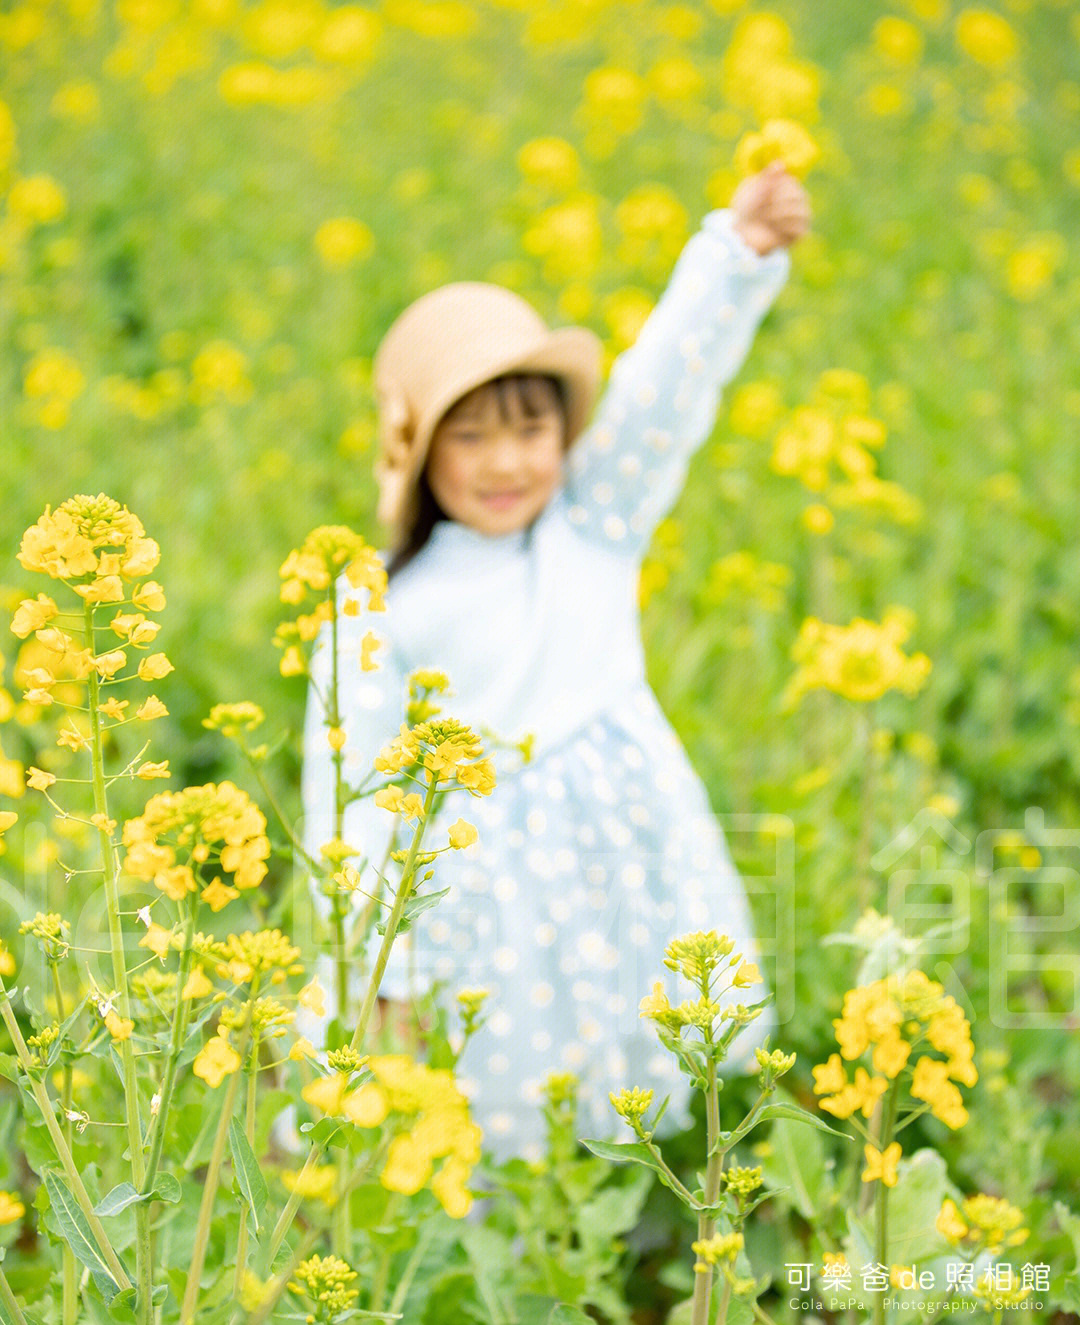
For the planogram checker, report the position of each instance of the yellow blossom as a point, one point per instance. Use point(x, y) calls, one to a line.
point(366, 1106)
point(312, 997)
point(217, 895)
point(986, 36)
point(462, 834)
point(197, 985)
point(343, 240)
point(316, 1183)
point(368, 645)
point(779, 140)
point(215, 1061)
point(326, 1093)
point(154, 667)
point(38, 779)
point(32, 614)
point(881, 1164)
point(551, 162)
point(302, 1048)
point(150, 770)
point(949, 1224)
point(11, 1208)
point(119, 1028)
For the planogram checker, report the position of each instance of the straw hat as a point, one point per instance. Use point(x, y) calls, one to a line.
point(443, 346)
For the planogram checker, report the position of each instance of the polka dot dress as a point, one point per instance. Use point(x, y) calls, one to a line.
point(589, 862)
point(592, 857)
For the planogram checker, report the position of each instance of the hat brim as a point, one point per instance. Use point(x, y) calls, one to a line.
point(572, 354)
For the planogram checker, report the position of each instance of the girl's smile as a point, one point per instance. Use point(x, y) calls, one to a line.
point(496, 456)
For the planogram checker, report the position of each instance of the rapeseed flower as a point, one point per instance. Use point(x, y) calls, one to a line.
point(778, 140)
point(882, 1164)
point(89, 536)
point(179, 832)
point(860, 661)
point(989, 1222)
point(343, 240)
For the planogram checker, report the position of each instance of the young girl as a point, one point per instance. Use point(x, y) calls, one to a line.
point(518, 536)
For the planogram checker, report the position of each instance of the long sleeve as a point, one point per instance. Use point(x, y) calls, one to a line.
point(627, 469)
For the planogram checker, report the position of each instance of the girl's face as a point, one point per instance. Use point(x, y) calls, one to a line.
point(496, 456)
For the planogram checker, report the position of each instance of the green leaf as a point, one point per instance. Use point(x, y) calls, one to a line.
point(121, 1196)
point(914, 1205)
point(78, 1236)
point(613, 1210)
point(166, 1188)
point(1069, 1224)
point(564, 1315)
point(797, 1163)
point(636, 1152)
point(249, 1176)
point(414, 907)
point(775, 1109)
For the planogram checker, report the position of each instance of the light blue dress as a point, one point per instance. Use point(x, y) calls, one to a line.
point(603, 848)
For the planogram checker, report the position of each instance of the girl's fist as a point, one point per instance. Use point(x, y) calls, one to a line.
point(771, 209)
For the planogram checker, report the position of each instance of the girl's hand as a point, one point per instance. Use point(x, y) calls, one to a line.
point(771, 208)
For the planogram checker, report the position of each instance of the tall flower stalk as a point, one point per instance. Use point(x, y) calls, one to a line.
point(699, 1033)
point(902, 1022)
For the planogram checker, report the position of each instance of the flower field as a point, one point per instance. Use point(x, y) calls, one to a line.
point(861, 618)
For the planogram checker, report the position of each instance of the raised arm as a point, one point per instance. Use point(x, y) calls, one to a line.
point(626, 471)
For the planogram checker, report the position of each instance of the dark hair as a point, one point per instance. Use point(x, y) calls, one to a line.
point(518, 387)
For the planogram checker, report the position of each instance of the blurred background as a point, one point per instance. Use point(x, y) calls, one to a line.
point(212, 210)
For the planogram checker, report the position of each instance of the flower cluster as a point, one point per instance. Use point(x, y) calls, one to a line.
point(901, 1021)
point(241, 957)
point(702, 958)
point(438, 1127)
point(632, 1105)
point(779, 140)
point(325, 1280)
point(713, 1251)
point(98, 547)
point(860, 661)
point(50, 930)
point(232, 719)
point(982, 1221)
point(313, 568)
point(180, 833)
point(90, 537)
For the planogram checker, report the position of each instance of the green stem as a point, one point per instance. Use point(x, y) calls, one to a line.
point(63, 1151)
point(706, 1221)
point(277, 1286)
point(277, 1237)
point(412, 1265)
point(866, 807)
point(382, 1270)
point(249, 1132)
point(341, 1231)
point(176, 1043)
point(70, 1289)
point(7, 1298)
point(881, 1211)
point(110, 871)
point(206, 1206)
point(408, 874)
point(271, 800)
